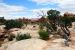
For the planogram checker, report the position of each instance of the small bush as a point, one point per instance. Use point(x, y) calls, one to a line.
point(41, 26)
point(22, 37)
point(44, 35)
point(13, 24)
point(11, 37)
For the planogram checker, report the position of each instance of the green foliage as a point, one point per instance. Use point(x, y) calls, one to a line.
point(66, 21)
point(13, 24)
point(22, 37)
point(2, 20)
point(41, 26)
point(72, 19)
point(53, 14)
point(54, 27)
point(44, 35)
point(51, 27)
point(53, 18)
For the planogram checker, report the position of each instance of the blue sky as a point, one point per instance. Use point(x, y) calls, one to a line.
point(12, 9)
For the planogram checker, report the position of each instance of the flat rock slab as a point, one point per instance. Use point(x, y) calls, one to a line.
point(29, 44)
point(59, 48)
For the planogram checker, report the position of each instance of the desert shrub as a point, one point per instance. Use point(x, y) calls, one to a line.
point(22, 37)
point(13, 24)
point(44, 35)
point(41, 26)
point(11, 37)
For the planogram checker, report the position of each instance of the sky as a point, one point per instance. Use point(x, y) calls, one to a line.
point(12, 9)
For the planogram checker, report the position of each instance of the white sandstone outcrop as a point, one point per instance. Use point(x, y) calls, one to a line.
point(29, 44)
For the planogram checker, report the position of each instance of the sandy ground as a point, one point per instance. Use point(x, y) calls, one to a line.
point(28, 30)
point(58, 44)
point(37, 44)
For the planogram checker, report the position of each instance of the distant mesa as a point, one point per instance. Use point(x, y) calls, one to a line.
point(69, 14)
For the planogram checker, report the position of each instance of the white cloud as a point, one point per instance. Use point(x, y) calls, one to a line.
point(9, 10)
point(60, 2)
point(12, 11)
point(63, 5)
point(67, 5)
point(41, 11)
point(43, 2)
